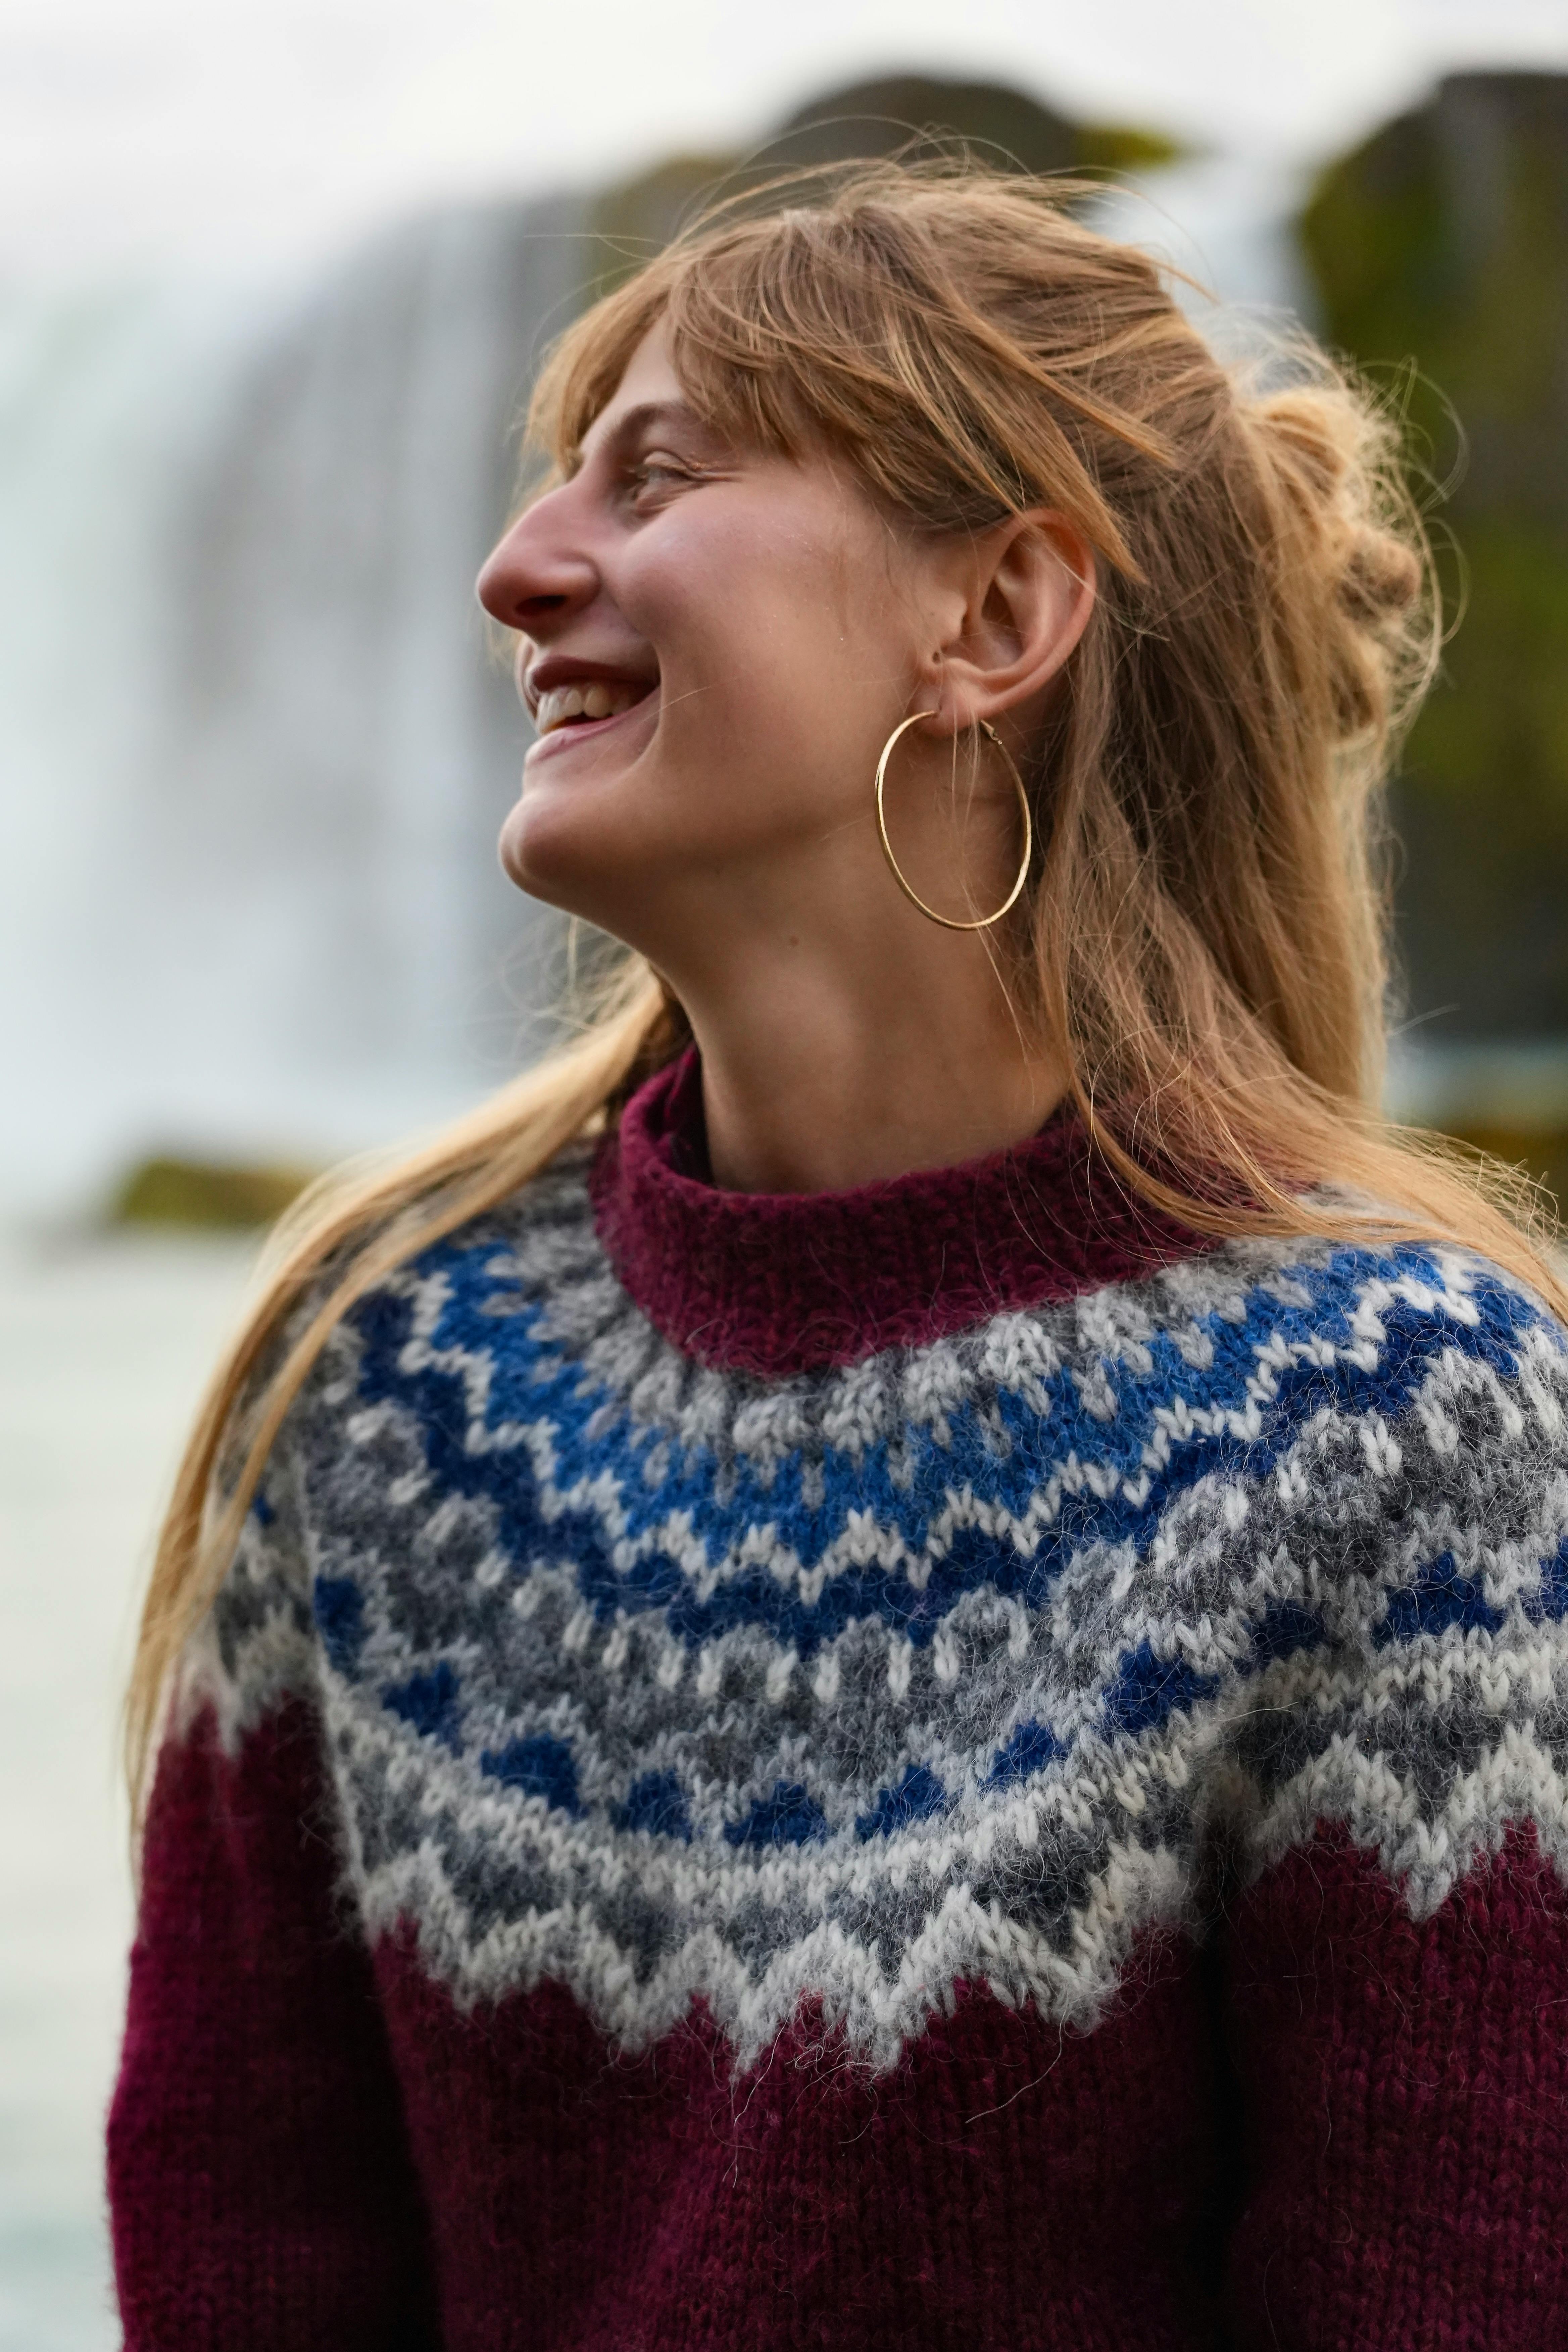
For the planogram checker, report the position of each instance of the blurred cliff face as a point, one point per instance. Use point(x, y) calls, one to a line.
point(1442, 244)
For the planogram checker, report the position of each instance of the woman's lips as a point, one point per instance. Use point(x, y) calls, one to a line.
point(560, 738)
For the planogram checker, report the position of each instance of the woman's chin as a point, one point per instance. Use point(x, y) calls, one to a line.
point(563, 848)
point(573, 817)
point(531, 852)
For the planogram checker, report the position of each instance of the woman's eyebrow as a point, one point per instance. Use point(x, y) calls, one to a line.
point(647, 415)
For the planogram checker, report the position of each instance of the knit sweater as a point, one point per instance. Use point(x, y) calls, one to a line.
point(944, 1765)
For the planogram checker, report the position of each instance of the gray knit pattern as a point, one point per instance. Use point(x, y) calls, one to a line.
point(972, 1662)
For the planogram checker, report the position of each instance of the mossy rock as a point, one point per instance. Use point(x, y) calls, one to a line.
point(908, 114)
point(1443, 243)
point(1439, 250)
point(205, 1193)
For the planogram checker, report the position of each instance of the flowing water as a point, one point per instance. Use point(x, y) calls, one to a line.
point(253, 752)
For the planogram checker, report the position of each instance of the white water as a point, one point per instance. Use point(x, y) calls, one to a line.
point(253, 755)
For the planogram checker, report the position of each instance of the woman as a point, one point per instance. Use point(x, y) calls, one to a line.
point(883, 1662)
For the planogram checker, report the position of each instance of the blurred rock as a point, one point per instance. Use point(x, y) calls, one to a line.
point(1442, 245)
point(1508, 1097)
point(908, 114)
point(902, 113)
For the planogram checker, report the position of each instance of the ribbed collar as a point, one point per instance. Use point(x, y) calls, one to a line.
point(777, 1283)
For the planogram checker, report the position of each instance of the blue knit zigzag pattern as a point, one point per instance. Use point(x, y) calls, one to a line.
point(951, 1663)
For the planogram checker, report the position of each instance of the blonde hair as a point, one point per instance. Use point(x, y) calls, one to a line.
point(1202, 937)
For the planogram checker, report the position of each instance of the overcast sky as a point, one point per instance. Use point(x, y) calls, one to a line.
point(135, 130)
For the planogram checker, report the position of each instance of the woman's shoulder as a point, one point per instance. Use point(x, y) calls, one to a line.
point(1397, 1473)
point(1330, 1480)
point(1381, 1314)
point(1258, 1340)
point(535, 1240)
point(1354, 1453)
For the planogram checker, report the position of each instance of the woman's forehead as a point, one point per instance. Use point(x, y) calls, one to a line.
point(649, 391)
point(648, 380)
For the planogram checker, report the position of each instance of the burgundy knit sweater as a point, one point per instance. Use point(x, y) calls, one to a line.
point(937, 1766)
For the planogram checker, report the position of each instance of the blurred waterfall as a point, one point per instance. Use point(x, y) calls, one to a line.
point(254, 751)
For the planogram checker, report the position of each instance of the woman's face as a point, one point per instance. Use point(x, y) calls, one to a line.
point(714, 645)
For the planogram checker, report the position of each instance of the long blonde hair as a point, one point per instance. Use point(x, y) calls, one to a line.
point(1202, 937)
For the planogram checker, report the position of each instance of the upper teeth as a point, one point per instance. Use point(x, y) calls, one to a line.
point(599, 700)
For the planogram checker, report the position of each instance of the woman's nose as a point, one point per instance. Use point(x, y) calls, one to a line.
point(536, 575)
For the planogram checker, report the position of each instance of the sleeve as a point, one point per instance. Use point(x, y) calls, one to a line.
point(261, 2190)
point(1404, 2087)
point(1395, 1970)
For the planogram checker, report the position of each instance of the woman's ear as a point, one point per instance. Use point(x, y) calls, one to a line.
point(1029, 588)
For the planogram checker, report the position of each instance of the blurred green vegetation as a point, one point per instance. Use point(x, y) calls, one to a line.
point(171, 1191)
point(1439, 251)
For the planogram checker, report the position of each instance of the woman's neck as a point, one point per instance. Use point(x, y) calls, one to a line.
point(818, 1075)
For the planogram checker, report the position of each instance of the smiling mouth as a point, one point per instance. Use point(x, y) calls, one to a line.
point(578, 709)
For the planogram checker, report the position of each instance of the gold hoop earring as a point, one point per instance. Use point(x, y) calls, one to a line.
point(949, 922)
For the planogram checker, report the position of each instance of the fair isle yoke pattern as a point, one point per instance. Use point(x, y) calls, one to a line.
point(960, 1664)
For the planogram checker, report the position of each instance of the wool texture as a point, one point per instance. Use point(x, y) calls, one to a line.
point(940, 1766)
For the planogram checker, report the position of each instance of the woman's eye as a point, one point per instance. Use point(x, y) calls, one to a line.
point(658, 473)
